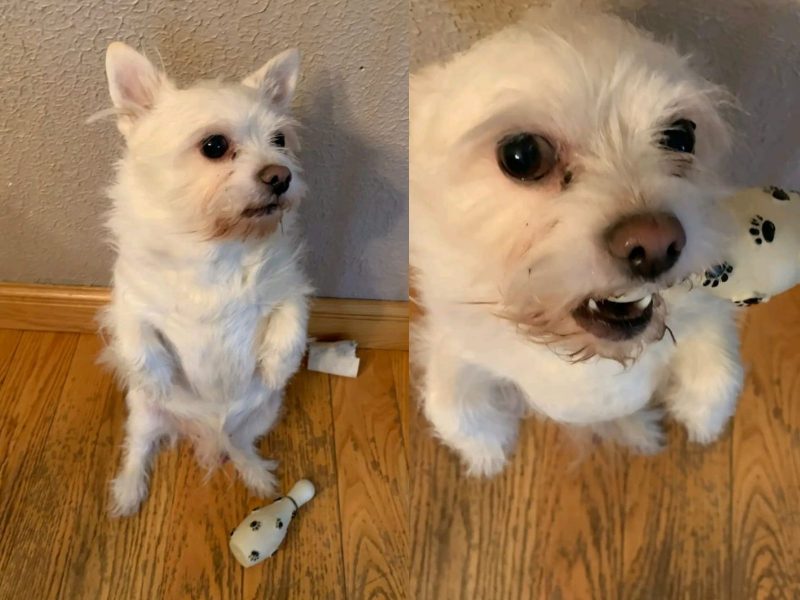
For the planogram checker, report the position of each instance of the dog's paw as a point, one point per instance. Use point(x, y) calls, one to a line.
point(483, 459)
point(259, 477)
point(705, 431)
point(278, 367)
point(643, 432)
point(128, 491)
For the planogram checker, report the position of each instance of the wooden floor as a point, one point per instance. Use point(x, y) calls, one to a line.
point(692, 523)
point(61, 421)
point(394, 516)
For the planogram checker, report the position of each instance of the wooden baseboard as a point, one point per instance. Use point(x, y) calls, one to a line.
point(372, 323)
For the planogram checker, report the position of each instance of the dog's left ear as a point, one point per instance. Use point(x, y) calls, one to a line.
point(277, 79)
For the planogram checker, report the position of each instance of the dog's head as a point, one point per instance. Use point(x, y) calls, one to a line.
point(569, 163)
point(217, 159)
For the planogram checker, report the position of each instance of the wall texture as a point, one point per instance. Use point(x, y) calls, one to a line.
point(352, 103)
point(750, 46)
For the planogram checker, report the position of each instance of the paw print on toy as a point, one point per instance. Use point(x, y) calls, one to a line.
point(255, 525)
point(718, 274)
point(750, 301)
point(758, 262)
point(777, 193)
point(762, 230)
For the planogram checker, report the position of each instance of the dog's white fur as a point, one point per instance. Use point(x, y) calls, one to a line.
point(208, 315)
point(500, 265)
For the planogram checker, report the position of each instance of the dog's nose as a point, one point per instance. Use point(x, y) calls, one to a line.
point(276, 177)
point(650, 244)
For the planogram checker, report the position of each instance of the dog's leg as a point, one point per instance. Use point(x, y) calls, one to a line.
point(705, 377)
point(256, 472)
point(474, 413)
point(144, 428)
point(284, 342)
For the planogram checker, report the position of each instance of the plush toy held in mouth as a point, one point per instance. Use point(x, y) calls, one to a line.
point(764, 256)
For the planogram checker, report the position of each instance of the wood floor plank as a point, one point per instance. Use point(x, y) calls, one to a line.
point(766, 456)
point(197, 560)
point(309, 564)
point(549, 526)
point(677, 526)
point(400, 374)
point(63, 495)
point(28, 396)
point(373, 478)
point(9, 340)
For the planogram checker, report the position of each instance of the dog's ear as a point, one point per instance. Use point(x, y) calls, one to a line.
point(277, 79)
point(133, 83)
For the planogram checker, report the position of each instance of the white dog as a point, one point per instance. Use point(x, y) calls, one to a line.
point(209, 305)
point(562, 181)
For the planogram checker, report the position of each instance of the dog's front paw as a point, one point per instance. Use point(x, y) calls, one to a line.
point(128, 491)
point(642, 432)
point(278, 367)
point(259, 477)
point(482, 459)
point(706, 430)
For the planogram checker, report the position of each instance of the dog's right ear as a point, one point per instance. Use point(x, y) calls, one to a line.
point(133, 83)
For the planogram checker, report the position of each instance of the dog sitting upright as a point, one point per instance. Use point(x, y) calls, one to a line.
point(562, 182)
point(208, 315)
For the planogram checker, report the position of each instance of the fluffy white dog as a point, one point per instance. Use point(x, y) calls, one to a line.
point(562, 182)
point(209, 305)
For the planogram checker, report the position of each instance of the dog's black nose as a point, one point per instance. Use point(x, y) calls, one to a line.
point(649, 244)
point(276, 177)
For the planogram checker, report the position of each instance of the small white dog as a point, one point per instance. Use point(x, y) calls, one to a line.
point(208, 315)
point(562, 183)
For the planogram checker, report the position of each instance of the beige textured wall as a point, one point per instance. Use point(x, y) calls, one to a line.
point(352, 102)
point(751, 46)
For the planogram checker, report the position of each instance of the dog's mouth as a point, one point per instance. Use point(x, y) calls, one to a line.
point(270, 207)
point(617, 318)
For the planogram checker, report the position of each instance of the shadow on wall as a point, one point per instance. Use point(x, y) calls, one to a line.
point(347, 222)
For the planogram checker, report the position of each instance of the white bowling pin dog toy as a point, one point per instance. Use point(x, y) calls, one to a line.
point(260, 534)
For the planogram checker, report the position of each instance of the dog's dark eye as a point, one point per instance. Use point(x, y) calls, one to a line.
point(279, 140)
point(679, 137)
point(525, 156)
point(214, 146)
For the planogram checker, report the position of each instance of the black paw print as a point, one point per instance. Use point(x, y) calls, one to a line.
point(255, 525)
point(718, 274)
point(232, 532)
point(279, 524)
point(762, 230)
point(253, 556)
point(777, 193)
point(749, 301)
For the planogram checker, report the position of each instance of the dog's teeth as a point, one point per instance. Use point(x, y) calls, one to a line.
point(644, 302)
point(592, 305)
point(623, 298)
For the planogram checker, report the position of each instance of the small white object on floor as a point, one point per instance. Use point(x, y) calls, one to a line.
point(262, 531)
point(336, 358)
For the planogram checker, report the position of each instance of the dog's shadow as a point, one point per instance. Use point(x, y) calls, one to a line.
point(355, 215)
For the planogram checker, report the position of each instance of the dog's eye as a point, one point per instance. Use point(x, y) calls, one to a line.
point(279, 140)
point(679, 137)
point(214, 146)
point(525, 156)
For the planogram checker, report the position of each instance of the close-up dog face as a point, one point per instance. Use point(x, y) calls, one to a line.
point(570, 164)
point(217, 159)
